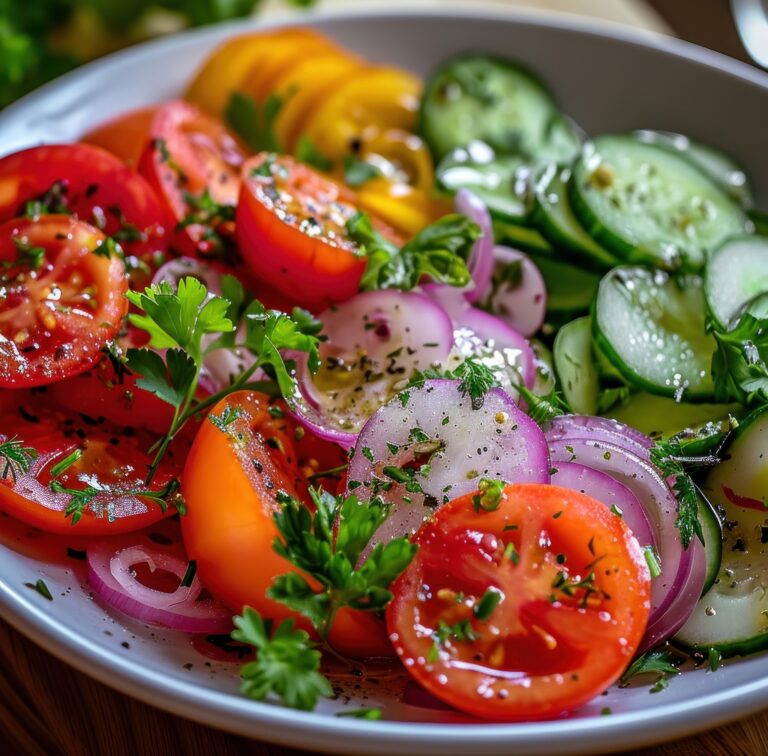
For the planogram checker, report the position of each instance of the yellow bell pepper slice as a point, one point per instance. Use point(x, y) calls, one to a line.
point(305, 86)
point(402, 156)
point(375, 100)
point(225, 70)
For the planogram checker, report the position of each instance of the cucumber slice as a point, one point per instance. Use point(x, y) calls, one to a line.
point(716, 164)
point(712, 530)
point(474, 97)
point(572, 352)
point(569, 289)
point(552, 213)
point(498, 180)
point(733, 616)
point(663, 417)
point(650, 326)
point(650, 205)
point(522, 238)
point(736, 273)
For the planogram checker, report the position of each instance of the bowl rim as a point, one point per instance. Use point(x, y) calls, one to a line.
point(309, 729)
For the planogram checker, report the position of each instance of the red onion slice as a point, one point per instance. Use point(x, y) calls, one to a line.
point(600, 429)
point(110, 563)
point(678, 565)
point(480, 261)
point(520, 300)
point(604, 488)
point(481, 335)
point(375, 342)
point(459, 445)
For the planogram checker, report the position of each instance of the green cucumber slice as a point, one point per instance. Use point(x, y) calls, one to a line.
point(474, 97)
point(715, 163)
point(552, 213)
point(649, 205)
point(712, 530)
point(498, 180)
point(736, 273)
point(733, 616)
point(569, 289)
point(650, 326)
point(575, 367)
point(660, 416)
point(522, 237)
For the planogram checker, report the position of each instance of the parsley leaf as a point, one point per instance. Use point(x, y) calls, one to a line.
point(657, 662)
point(15, 458)
point(255, 125)
point(287, 662)
point(306, 152)
point(307, 541)
point(358, 172)
point(438, 252)
point(740, 363)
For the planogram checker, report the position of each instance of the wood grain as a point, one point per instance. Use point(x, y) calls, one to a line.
point(49, 709)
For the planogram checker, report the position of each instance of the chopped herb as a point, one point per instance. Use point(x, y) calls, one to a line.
point(60, 467)
point(489, 496)
point(226, 418)
point(617, 511)
point(364, 712)
point(27, 255)
point(358, 172)
point(15, 458)
point(542, 409)
point(605, 711)
point(714, 657)
point(189, 575)
point(367, 452)
point(41, 587)
point(657, 662)
point(255, 125)
point(307, 152)
point(487, 603)
point(652, 559)
point(460, 631)
point(511, 553)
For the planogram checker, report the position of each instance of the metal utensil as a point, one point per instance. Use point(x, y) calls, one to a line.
point(752, 24)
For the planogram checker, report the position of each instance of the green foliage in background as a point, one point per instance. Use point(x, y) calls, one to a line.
point(40, 39)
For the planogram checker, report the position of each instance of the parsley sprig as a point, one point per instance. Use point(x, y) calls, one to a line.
point(184, 322)
point(287, 662)
point(308, 542)
point(657, 662)
point(475, 379)
point(439, 252)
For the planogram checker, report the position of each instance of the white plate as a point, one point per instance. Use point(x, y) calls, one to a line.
point(608, 79)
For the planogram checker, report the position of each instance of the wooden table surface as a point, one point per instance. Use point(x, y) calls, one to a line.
point(47, 708)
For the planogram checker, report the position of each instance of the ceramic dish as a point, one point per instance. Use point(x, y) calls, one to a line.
point(608, 79)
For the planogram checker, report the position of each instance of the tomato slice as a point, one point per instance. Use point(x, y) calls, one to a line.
point(291, 228)
point(245, 465)
point(572, 597)
point(114, 460)
point(93, 184)
point(60, 301)
point(125, 136)
point(191, 154)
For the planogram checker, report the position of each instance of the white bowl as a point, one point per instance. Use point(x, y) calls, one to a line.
point(608, 79)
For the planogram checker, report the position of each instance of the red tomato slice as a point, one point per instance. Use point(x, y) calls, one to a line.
point(106, 393)
point(60, 301)
point(114, 459)
point(93, 184)
point(245, 465)
point(291, 231)
point(125, 136)
point(572, 591)
point(190, 153)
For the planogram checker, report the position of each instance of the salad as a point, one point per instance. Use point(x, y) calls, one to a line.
point(343, 366)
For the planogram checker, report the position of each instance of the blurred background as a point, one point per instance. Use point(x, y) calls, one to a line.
point(40, 39)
